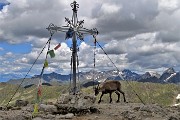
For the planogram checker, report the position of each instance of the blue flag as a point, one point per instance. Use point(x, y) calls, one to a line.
point(69, 33)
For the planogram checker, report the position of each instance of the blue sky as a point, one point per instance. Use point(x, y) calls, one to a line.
point(3, 3)
point(137, 35)
point(15, 48)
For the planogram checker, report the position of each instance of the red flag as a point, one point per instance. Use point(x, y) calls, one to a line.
point(59, 45)
point(39, 90)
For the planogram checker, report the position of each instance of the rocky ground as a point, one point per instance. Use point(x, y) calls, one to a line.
point(84, 107)
point(132, 111)
point(104, 111)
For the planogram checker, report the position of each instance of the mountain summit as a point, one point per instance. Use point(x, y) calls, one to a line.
point(167, 74)
point(169, 71)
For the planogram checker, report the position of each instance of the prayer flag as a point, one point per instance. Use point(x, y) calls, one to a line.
point(59, 45)
point(46, 63)
point(51, 53)
point(69, 33)
point(35, 109)
point(95, 41)
point(39, 91)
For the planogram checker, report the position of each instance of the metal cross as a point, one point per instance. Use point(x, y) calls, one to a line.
point(78, 31)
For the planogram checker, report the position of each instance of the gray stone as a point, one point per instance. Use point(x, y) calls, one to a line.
point(77, 104)
point(37, 118)
point(49, 116)
point(60, 117)
point(48, 108)
point(21, 103)
point(73, 100)
point(69, 116)
point(65, 99)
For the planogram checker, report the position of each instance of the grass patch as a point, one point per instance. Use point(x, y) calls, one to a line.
point(162, 94)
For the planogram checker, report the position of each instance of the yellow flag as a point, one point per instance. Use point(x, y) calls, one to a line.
point(46, 63)
point(35, 109)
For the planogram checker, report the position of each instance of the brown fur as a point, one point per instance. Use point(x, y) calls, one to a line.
point(110, 87)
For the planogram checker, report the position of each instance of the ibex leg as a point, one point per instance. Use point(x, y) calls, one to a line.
point(118, 96)
point(100, 97)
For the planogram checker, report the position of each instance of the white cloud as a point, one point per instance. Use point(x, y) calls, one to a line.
point(9, 54)
point(138, 35)
point(168, 5)
point(110, 8)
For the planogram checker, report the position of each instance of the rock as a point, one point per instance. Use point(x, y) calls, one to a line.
point(94, 110)
point(79, 99)
point(8, 107)
point(48, 108)
point(64, 99)
point(174, 118)
point(21, 103)
point(77, 104)
point(29, 108)
point(96, 117)
point(49, 116)
point(73, 100)
point(37, 118)
point(154, 109)
point(16, 108)
point(69, 116)
point(2, 108)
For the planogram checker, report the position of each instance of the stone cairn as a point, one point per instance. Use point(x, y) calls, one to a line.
point(76, 104)
point(69, 105)
point(66, 107)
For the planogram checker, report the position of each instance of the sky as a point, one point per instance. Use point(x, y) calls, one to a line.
point(140, 35)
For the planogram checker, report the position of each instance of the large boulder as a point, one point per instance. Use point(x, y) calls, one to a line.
point(48, 108)
point(21, 103)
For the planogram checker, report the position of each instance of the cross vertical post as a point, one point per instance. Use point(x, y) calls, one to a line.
point(75, 27)
point(74, 56)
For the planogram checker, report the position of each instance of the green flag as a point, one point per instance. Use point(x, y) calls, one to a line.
point(51, 53)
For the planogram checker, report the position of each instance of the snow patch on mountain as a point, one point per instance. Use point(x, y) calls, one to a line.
point(154, 74)
point(172, 75)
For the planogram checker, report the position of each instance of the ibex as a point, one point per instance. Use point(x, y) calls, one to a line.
point(109, 87)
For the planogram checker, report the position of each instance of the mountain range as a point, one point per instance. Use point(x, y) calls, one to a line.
point(168, 76)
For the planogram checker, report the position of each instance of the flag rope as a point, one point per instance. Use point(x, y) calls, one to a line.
point(39, 86)
point(119, 71)
point(29, 71)
point(94, 62)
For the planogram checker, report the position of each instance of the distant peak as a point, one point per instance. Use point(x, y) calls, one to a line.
point(148, 73)
point(126, 70)
point(170, 70)
point(53, 73)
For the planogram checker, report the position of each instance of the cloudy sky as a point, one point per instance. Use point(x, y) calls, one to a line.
point(140, 35)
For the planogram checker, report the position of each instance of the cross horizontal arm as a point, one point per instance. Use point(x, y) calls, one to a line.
point(55, 28)
point(87, 31)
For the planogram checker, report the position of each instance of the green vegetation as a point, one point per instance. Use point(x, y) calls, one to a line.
point(162, 94)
